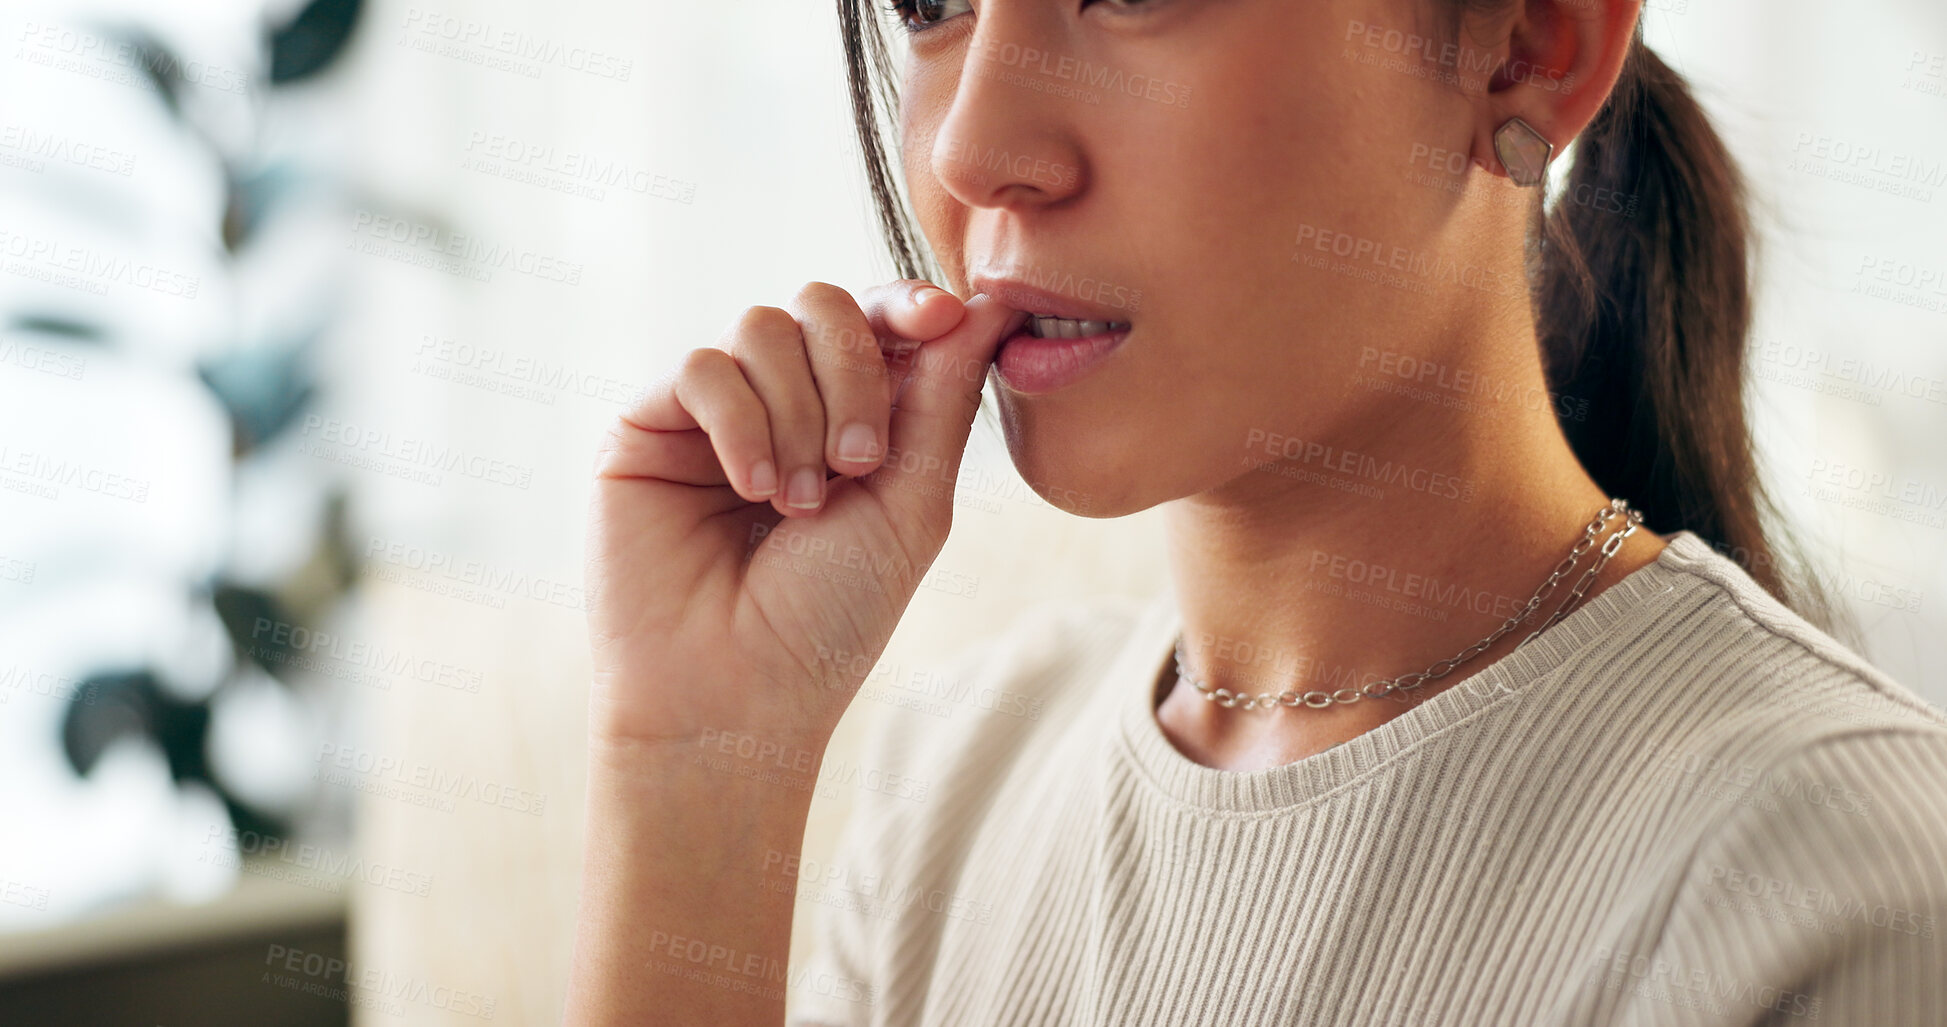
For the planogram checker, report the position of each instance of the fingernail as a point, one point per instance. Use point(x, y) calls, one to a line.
point(858, 442)
point(763, 478)
point(927, 292)
point(807, 488)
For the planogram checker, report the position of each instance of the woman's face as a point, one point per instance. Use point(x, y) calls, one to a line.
point(1274, 195)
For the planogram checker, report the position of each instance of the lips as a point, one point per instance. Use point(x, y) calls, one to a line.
point(1036, 366)
point(1039, 302)
point(1053, 340)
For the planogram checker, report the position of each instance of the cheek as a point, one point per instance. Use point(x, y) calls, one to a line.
point(938, 216)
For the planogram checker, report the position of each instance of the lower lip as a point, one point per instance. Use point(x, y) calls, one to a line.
point(1033, 366)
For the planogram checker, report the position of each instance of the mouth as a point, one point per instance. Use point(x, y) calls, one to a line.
point(1039, 355)
point(1040, 327)
point(1055, 338)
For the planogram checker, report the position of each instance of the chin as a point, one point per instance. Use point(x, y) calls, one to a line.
point(1077, 483)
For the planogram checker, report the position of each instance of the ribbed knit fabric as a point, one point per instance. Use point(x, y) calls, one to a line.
point(1681, 805)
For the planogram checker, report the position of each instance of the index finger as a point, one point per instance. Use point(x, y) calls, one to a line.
point(912, 309)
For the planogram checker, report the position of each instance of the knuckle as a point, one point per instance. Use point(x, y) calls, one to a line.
point(761, 322)
point(701, 362)
point(844, 342)
point(820, 295)
point(800, 425)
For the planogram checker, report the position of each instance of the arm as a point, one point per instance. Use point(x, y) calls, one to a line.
point(675, 916)
point(749, 555)
point(1819, 901)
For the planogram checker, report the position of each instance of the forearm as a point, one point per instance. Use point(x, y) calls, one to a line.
point(677, 924)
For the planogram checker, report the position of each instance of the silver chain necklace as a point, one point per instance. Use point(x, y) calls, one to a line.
point(1318, 700)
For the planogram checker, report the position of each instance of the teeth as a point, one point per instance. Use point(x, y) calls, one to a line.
point(1069, 328)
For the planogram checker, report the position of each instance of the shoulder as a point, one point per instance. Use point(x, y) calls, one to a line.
point(1720, 644)
point(1798, 798)
point(1829, 895)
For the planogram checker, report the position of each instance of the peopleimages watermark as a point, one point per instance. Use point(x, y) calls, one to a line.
point(1741, 784)
point(1395, 266)
point(366, 986)
point(1418, 377)
point(1846, 162)
point(1355, 472)
point(505, 49)
point(567, 171)
point(853, 566)
point(119, 62)
point(281, 642)
point(922, 690)
point(59, 687)
point(24, 895)
point(330, 868)
point(1843, 374)
point(1086, 288)
point(477, 581)
point(454, 253)
point(421, 460)
point(515, 375)
point(993, 159)
point(1926, 73)
point(377, 773)
point(704, 961)
point(1652, 976)
point(1878, 492)
point(20, 572)
point(1064, 75)
point(1902, 282)
point(31, 150)
point(1808, 905)
point(1404, 591)
point(769, 761)
point(868, 892)
point(43, 359)
point(1451, 63)
point(41, 475)
point(83, 269)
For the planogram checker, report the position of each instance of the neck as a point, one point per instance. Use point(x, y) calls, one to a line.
point(1343, 563)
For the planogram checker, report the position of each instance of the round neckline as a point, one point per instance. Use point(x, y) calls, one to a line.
point(1134, 677)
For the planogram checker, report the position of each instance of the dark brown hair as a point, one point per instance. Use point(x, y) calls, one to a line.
point(1644, 312)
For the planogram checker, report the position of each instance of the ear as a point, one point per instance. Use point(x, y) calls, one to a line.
point(1554, 64)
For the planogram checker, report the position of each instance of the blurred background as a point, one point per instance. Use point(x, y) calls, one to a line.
point(312, 314)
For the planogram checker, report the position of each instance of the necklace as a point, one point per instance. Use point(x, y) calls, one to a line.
point(1631, 518)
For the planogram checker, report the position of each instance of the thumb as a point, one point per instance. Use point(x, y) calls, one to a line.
point(934, 412)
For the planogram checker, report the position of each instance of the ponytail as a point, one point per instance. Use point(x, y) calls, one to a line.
point(1644, 308)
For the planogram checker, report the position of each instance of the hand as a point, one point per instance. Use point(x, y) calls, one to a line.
point(732, 584)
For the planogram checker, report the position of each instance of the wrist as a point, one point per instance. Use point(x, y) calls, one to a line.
point(751, 763)
point(622, 722)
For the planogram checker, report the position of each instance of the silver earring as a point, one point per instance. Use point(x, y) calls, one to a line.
point(1523, 151)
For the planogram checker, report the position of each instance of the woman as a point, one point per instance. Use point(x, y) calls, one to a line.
point(1427, 729)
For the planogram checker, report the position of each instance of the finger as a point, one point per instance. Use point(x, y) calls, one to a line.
point(904, 314)
point(709, 393)
point(850, 373)
point(911, 309)
point(683, 457)
point(937, 406)
point(770, 347)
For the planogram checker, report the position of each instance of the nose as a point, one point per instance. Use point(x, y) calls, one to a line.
point(1004, 143)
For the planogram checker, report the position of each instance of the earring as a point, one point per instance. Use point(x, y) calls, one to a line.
point(1523, 152)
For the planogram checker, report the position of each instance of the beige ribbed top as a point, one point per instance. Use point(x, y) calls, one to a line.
point(1682, 804)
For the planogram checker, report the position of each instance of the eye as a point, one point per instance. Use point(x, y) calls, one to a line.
point(920, 15)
